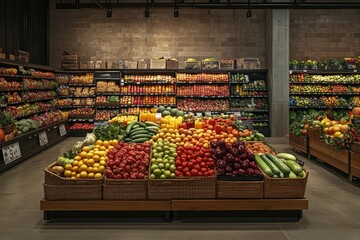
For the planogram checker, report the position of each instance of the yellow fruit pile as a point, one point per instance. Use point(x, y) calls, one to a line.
point(124, 119)
point(171, 122)
point(90, 162)
point(168, 134)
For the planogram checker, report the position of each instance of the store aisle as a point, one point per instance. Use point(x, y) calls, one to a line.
point(334, 211)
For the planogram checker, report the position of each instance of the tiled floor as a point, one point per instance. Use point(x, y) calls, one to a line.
point(334, 211)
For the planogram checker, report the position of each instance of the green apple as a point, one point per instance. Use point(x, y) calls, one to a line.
point(167, 174)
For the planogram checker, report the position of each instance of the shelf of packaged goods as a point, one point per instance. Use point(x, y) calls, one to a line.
point(194, 96)
point(202, 83)
point(107, 93)
point(321, 72)
point(33, 113)
point(247, 110)
point(146, 105)
point(29, 144)
point(248, 96)
point(29, 101)
point(186, 210)
point(147, 83)
point(324, 94)
point(319, 107)
point(20, 77)
point(148, 94)
point(81, 85)
point(325, 83)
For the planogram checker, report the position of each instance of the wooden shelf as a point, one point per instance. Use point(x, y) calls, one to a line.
point(177, 205)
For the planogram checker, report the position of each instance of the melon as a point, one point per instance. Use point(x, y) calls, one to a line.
point(179, 113)
point(165, 113)
point(173, 112)
point(160, 109)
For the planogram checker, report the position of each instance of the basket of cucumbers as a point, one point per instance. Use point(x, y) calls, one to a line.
point(284, 177)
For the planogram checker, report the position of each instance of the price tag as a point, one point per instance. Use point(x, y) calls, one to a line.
point(237, 115)
point(62, 130)
point(199, 114)
point(305, 71)
point(355, 71)
point(21, 68)
point(290, 72)
point(11, 152)
point(43, 139)
point(138, 83)
point(158, 116)
point(32, 71)
point(208, 113)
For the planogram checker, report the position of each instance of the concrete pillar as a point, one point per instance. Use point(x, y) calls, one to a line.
point(278, 62)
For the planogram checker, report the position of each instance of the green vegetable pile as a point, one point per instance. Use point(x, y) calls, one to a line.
point(110, 132)
point(25, 125)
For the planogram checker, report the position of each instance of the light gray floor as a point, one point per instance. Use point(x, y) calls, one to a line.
point(334, 211)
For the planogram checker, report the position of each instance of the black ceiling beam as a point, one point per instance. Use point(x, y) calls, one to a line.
point(259, 5)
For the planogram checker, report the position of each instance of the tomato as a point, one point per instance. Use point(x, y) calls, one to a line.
point(184, 164)
point(197, 167)
point(194, 172)
point(202, 164)
point(178, 162)
point(229, 130)
point(190, 165)
point(200, 174)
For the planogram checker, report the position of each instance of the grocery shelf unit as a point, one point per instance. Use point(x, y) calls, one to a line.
point(323, 90)
point(107, 103)
point(147, 88)
point(80, 96)
point(30, 94)
point(184, 210)
point(249, 95)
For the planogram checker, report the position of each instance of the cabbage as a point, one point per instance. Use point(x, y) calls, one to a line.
point(77, 147)
point(90, 139)
point(61, 161)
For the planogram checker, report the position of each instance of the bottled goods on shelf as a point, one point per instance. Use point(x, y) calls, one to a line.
point(38, 95)
point(149, 78)
point(203, 90)
point(202, 77)
point(148, 100)
point(78, 112)
point(30, 84)
point(155, 89)
point(62, 78)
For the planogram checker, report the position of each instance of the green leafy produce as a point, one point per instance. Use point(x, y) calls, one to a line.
point(110, 132)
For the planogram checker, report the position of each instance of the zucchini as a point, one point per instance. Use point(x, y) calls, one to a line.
point(141, 135)
point(140, 140)
point(294, 166)
point(264, 167)
point(302, 174)
point(275, 176)
point(149, 123)
point(141, 131)
point(128, 139)
point(153, 127)
point(129, 127)
point(281, 175)
point(271, 165)
point(282, 160)
point(282, 166)
point(152, 131)
point(286, 156)
point(292, 175)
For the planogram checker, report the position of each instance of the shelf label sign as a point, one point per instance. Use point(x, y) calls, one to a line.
point(62, 130)
point(237, 115)
point(158, 117)
point(32, 71)
point(43, 139)
point(199, 114)
point(208, 113)
point(11, 152)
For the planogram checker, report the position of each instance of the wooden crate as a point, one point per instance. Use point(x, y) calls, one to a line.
point(299, 143)
point(171, 64)
point(328, 154)
point(157, 64)
point(239, 189)
point(210, 64)
point(355, 164)
point(193, 65)
point(247, 63)
point(227, 64)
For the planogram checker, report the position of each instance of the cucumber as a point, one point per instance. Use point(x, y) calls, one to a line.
point(283, 160)
point(152, 131)
point(141, 135)
point(294, 166)
point(302, 174)
point(137, 130)
point(291, 175)
point(153, 127)
point(142, 131)
point(282, 166)
point(128, 139)
point(142, 124)
point(275, 176)
point(281, 175)
point(264, 167)
point(286, 156)
point(271, 165)
point(140, 140)
point(149, 123)
point(129, 127)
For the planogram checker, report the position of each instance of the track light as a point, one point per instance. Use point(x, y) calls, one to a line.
point(147, 13)
point(248, 13)
point(109, 12)
point(176, 12)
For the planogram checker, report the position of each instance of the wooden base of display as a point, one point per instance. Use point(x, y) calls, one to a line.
point(328, 154)
point(176, 207)
point(354, 165)
point(298, 143)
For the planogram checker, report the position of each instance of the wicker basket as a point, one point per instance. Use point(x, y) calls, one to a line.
point(54, 179)
point(315, 133)
point(72, 192)
point(240, 189)
point(121, 189)
point(355, 147)
point(285, 187)
point(180, 188)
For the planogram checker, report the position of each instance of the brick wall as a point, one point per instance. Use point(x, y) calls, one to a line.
point(324, 34)
point(129, 35)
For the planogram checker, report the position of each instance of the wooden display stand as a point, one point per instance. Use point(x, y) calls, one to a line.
point(260, 209)
point(354, 165)
point(299, 143)
point(328, 154)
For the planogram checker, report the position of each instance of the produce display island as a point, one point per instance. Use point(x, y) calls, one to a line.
point(179, 209)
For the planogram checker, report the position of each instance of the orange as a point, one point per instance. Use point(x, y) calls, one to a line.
point(90, 162)
point(102, 163)
point(68, 167)
point(78, 175)
point(86, 149)
point(77, 158)
point(90, 169)
point(75, 169)
point(102, 148)
point(80, 163)
point(67, 173)
point(83, 168)
point(95, 170)
point(98, 176)
point(73, 174)
point(73, 177)
point(91, 175)
point(83, 174)
point(99, 142)
point(96, 165)
point(75, 163)
point(101, 169)
point(83, 154)
point(106, 143)
point(96, 158)
point(115, 142)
